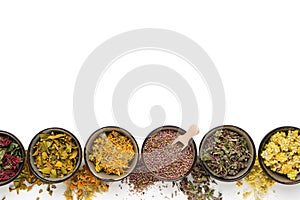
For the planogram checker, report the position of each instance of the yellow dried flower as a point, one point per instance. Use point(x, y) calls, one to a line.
point(258, 181)
point(84, 185)
point(112, 153)
point(282, 152)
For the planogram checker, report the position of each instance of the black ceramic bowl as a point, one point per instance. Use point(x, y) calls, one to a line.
point(280, 178)
point(179, 131)
point(88, 150)
point(33, 168)
point(23, 155)
point(241, 174)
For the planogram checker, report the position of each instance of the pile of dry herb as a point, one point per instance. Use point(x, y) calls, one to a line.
point(140, 179)
point(84, 185)
point(26, 181)
point(258, 181)
point(56, 154)
point(198, 186)
point(112, 153)
point(10, 157)
point(226, 153)
point(167, 161)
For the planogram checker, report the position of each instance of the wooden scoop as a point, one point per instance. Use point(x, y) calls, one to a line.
point(185, 138)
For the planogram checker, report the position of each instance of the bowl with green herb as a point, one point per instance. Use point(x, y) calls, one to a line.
point(165, 160)
point(227, 153)
point(54, 155)
point(12, 157)
point(111, 153)
point(279, 155)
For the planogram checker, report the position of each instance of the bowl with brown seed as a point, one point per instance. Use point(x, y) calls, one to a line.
point(167, 161)
point(12, 157)
point(54, 155)
point(227, 153)
point(279, 155)
point(111, 153)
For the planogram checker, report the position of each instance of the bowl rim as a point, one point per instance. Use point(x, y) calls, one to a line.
point(180, 131)
point(89, 141)
point(249, 141)
point(267, 171)
point(22, 163)
point(34, 169)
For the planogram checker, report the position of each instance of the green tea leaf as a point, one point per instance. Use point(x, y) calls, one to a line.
point(12, 146)
point(45, 170)
point(74, 154)
point(2, 152)
point(52, 137)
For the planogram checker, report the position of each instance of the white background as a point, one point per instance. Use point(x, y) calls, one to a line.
point(255, 46)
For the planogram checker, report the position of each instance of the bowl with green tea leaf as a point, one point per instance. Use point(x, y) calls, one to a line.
point(111, 153)
point(54, 155)
point(12, 155)
point(227, 153)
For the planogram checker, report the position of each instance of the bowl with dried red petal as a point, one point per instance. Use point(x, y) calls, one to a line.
point(12, 157)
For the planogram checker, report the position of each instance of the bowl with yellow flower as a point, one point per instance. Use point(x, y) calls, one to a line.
point(279, 154)
point(111, 153)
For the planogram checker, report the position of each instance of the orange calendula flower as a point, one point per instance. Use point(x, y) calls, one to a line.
point(112, 153)
point(84, 185)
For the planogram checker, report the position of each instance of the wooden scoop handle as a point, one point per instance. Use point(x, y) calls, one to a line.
point(184, 139)
point(193, 131)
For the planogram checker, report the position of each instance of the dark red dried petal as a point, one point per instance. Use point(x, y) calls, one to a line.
point(5, 141)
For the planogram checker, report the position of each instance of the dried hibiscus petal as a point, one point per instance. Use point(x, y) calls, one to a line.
point(10, 157)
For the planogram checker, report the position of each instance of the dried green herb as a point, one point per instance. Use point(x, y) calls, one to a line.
point(112, 153)
point(198, 185)
point(56, 154)
point(226, 153)
point(26, 181)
